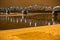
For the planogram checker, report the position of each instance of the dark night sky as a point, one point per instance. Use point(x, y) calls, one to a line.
point(8, 3)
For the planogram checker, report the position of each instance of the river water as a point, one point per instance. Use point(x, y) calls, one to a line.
point(12, 22)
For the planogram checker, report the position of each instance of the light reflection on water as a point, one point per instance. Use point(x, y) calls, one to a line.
point(10, 22)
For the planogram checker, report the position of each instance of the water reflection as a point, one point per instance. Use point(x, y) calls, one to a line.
point(30, 23)
point(17, 21)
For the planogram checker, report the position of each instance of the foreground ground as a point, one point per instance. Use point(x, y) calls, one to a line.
point(51, 32)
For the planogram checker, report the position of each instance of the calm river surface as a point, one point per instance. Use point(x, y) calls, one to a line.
point(12, 22)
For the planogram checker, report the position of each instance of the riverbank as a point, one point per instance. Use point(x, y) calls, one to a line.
point(51, 32)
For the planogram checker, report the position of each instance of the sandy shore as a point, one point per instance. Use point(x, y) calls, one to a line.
point(51, 32)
